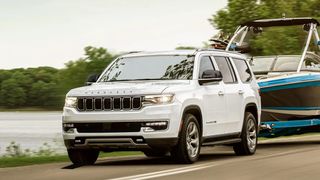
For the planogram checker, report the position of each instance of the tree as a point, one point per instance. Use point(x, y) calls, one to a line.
point(76, 72)
point(11, 94)
point(42, 94)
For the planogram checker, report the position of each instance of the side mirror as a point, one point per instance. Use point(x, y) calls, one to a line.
point(210, 76)
point(92, 79)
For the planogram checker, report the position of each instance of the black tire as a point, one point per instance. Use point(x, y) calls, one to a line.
point(181, 152)
point(83, 156)
point(249, 139)
point(155, 153)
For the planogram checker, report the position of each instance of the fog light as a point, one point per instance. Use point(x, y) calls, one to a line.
point(71, 130)
point(156, 123)
point(154, 126)
point(68, 127)
point(148, 129)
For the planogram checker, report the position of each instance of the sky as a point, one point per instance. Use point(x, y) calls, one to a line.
point(52, 32)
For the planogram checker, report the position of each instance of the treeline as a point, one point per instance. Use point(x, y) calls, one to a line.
point(46, 87)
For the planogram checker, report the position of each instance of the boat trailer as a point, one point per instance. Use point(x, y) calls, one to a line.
point(284, 128)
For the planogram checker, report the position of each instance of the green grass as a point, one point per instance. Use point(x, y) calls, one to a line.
point(30, 160)
point(28, 109)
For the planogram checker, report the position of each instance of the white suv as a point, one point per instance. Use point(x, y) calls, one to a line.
point(164, 102)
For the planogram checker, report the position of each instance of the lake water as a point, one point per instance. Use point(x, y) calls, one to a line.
point(31, 130)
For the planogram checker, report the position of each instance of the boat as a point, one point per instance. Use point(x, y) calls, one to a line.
point(289, 84)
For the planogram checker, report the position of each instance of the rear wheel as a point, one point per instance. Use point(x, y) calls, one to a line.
point(83, 156)
point(249, 140)
point(188, 148)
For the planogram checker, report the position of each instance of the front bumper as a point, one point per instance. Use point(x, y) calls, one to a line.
point(120, 143)
point(140, 139)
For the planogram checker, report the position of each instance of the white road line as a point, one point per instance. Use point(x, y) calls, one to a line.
point(165, 172)
point(201, 166)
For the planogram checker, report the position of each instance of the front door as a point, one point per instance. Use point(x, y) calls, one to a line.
point(214, 101)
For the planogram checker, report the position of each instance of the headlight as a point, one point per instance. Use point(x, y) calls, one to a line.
point(71, 102)
point(158, 99)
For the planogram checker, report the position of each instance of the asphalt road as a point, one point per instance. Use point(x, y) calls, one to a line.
point(295, 158)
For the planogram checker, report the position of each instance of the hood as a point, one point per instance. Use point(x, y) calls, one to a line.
point(125, 88)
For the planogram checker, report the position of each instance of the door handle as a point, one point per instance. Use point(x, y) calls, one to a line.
point(241, 92)
point(220, 93)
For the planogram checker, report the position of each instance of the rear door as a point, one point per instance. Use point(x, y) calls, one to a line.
point(245, 76)
point(233, 92)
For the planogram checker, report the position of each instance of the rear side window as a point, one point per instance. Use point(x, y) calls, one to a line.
point(243, 70)
point(205, 64)
point(226, 69)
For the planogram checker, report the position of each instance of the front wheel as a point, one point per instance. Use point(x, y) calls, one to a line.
point(83, 156)
point(188, 148)
point(249, 139)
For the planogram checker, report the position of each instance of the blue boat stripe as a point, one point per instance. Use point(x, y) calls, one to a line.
point(285, 81)
point(293, 108)
point(290, 86)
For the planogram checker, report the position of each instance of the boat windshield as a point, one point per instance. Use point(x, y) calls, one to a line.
point(265, 64)
point(286, 63)
point(261, 64)
point(275, 64)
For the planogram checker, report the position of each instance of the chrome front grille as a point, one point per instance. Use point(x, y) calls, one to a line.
point(108, 103)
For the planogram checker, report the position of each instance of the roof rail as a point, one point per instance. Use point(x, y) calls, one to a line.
point(216, 50)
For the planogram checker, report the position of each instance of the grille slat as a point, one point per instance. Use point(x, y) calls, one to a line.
point(116, 103)
point(109, 103)
point(98, 104)
point(89, 104)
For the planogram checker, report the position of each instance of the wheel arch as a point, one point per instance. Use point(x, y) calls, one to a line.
point(196, 111)
point(252, 108)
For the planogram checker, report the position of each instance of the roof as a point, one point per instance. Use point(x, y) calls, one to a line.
point(153, 53)
point(176, 52)
point(281, 22)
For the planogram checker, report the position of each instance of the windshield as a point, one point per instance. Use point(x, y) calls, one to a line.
point(161, 67)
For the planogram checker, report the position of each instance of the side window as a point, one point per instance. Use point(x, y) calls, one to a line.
point(226, 69)
point(205, 64)
point(243, 70)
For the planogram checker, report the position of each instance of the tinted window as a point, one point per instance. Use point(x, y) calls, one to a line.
point(243, 70)
point(165, 67)
point(225, 68)
point(205, 64)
